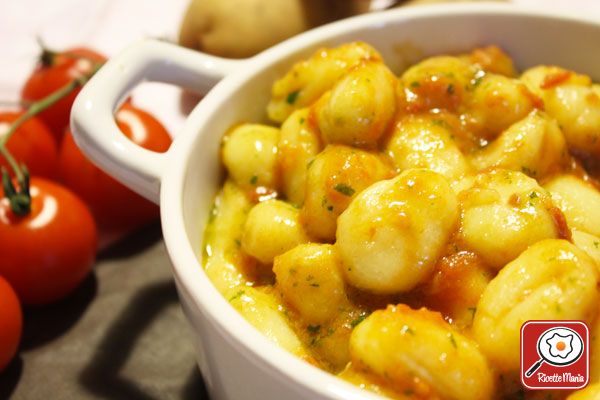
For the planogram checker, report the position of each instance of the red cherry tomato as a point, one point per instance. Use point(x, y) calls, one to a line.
point(54, 73)
point(115, 207)
point(32, 144)
point(11, 323)
point(48, 252)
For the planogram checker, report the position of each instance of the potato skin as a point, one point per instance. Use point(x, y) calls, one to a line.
point(298, 145)
point(504, 212)
point(399, 344)
point(272, 228)
point(309, 278)
point(307, 80)
point(360, 106)
point(249, 153)
point(216, 26)
point(551, 280)
point(333, 179)
point(391, 234)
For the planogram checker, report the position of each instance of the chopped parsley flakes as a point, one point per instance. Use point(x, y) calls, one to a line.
point(344, 189)
point(292, 97)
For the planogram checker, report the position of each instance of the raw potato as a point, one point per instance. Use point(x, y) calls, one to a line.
point(503, 213)
point(399, 344)
point(298, 145)
point(426, 141)
point(307, 80)
point(359, 108)
point(250, 155)
point(578, 200)
point(392, 233)
point(242, 28)
point(551, 280)
point(573, 101)
point(419, 2)
point(334, 177)
point(261, 309)
point(224, 262)
point(271, 229)
point(310, 279)
point(535, 145)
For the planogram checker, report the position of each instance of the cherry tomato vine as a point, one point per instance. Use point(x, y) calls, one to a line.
point(19, 195)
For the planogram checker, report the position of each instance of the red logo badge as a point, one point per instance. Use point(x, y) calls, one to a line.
point(555, 355)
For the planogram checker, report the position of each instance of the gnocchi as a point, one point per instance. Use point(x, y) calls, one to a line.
point(535, 145)
point(436, 83)
point(588, 243)
point(591, 392)
point(308, 80)
point(225, 263)
point(333, 179)
point(456, 285)
point(426, 141)
point(496, 102)
point(250, 155)
point(578, 200)
point(492, 59)
point(551, 280)
point(504, 212)
point(272, 227)
point(358, 109)
point(310, 279)
point(299, 143)
point(405, 345)
point(263, 311)
point(396, 230)
point(391, 234)
point(573, 101)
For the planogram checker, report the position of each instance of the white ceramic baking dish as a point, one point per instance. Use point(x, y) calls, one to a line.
point(238, 362)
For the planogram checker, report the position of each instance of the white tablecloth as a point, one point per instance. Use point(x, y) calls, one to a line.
point(105, 25)
point(111, 25)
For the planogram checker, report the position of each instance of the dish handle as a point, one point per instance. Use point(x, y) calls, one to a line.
point(92, 116)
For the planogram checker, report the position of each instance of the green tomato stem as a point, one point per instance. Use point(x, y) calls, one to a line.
point(40, 106)
point(21, 201)
point(11, 161)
